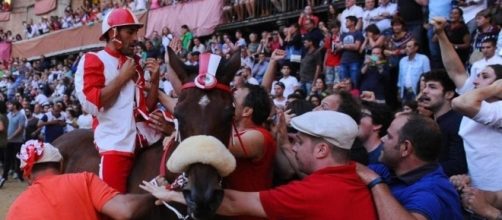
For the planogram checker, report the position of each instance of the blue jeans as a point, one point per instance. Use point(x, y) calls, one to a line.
point(352, 71)
point(306, 86)
point(332, 75)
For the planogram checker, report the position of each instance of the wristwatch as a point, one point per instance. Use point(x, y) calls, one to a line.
point(375, 182)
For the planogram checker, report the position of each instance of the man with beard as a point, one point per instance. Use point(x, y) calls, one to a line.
point(436, 96)
point(415, 185)
point(107, 85)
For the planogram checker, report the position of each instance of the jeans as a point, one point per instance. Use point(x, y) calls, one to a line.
point(11, 161)
point(332, 75)
point(306, 86)
point(352, 71)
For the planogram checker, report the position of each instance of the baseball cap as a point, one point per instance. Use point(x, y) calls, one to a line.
point(336, 128)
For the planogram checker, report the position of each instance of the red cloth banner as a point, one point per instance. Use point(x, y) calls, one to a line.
point(201, 17)
point(5, 16)
point(5, 48)
point(44, 6)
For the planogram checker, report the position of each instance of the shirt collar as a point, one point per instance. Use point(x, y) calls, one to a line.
point(113, 53)
point(417, 174)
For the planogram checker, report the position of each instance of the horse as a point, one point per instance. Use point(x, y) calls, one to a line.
point(203, 191)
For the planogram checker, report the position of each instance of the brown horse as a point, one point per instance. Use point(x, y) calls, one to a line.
point(203, 192)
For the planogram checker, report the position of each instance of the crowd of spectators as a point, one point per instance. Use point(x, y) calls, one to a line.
point(370, 62)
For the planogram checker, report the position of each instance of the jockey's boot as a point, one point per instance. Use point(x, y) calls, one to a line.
point(115, 170)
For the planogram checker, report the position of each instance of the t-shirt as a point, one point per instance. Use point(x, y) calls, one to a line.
point(332, 59)
point(350, 56)
point(52, 131)
point(308, 65)
point(16, 120)
point(329, 193)
point(425, 190)
point(84, 121)
point(59, 197)
point(452, 155)
point(354, 10)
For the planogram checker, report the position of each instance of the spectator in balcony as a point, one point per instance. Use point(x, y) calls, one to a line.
point(253, 44)
point(251, 8)
point(186, 37)
point(239, 9)
point(167, 37)
point(306, 15)
point(55, 25)
point(386, 11)
point(260, 67)
point(310, 67)
point(18, 37)
point(484, 30)
point(411, 67)
point(332, 57)
point(280, 5)
point(228, 45)
point(351, 9)
point(215, 44)
point(154, 4)
point(228, 11)
point(370, 13)
point(67, 20)
point(276, 42)
point(349, 47)
point(29, 31)
point(375, 74)
point(373, 39)
point(241, 41)
point(198, 46)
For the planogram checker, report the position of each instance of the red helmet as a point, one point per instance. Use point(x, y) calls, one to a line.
point(116, 18)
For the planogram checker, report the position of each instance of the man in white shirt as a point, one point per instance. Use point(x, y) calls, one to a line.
point(197, 46)
point(488, 48)
point(290, 82)
point(351, 9)
point(247, 76)
point(41, 98)
point(386, 12)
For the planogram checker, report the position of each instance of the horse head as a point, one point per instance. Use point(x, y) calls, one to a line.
point(204, 112)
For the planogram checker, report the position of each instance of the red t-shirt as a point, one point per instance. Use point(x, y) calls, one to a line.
point(332, 59)
point(329, 193)
point(252, 176)
point(303, 30)
point(77, 196)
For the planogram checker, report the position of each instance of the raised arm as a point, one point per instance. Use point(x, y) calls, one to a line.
point(469, 104)
point(451, 60)
point(268, 78)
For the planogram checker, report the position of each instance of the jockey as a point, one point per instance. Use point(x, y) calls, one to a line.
point(111, 87)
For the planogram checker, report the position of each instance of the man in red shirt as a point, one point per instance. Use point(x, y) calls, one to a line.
point(56, 196)
point(332, 189)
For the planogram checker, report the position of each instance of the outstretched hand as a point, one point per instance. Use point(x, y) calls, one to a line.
point(158, 192)
point(439, 24)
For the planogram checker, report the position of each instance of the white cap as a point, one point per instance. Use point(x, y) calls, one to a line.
point(336, 128)
point(33, 152)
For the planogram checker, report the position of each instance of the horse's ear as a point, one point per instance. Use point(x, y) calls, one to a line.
point(227, 73)
point(176, 64)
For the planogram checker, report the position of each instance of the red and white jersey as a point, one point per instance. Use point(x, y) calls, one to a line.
point(115, 128)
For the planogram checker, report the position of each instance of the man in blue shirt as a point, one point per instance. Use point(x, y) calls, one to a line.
point(411, 67)
point(15, 138)
point(417, 186)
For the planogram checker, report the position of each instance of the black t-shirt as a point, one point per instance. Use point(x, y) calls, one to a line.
point(308, 65)
point(410, 10)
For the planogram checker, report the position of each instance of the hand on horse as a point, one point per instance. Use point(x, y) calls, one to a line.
point(158, 122)
point(159, 192)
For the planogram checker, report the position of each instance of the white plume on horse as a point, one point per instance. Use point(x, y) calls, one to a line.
point(202, 149)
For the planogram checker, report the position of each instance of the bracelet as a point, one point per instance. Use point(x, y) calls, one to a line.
point(375, 182)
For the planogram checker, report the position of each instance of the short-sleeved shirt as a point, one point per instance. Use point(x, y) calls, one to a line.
point(16, 120)
point(186, 39)
point(425, 190)
point(329, 193)
point(350, 56)
point(59, 197)
point(354, 10)
point(308, 66)
point(53, 131)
